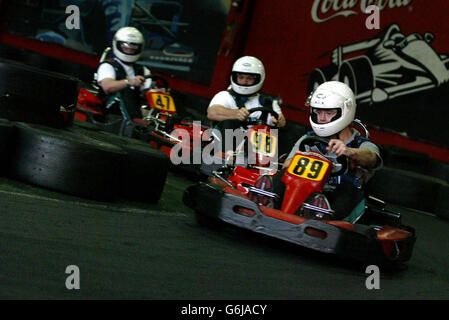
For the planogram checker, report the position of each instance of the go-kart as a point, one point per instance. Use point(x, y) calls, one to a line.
point(237, 197)
point(256, 145)
point(156, 127)
point(164, 129)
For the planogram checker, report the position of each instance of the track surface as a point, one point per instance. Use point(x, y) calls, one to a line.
point(137, 251)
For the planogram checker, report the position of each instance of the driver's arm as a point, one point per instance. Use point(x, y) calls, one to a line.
point(218, 112)
point(280, 122)
point(287, 163)
point(362, 156)
point(110, 85)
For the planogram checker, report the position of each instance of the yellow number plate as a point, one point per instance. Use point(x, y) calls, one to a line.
point(308, 168)
point(163, 102)
point(263, 143)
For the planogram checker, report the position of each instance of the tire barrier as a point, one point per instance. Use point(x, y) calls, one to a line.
point(32, 95)
point(405, 188)
point(438, 169)
point(66, 162)
point(86, 125)
point(404, 159)
point(442, 205)
point(6, 129)
point(144, 170)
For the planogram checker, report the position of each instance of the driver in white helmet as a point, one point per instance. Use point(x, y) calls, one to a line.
point(233, 106)
point(332, 110)
point(120, 77)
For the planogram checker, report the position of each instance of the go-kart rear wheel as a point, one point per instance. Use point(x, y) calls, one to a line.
point(64, 161)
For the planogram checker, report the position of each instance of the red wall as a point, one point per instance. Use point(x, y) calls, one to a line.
point(291, 44)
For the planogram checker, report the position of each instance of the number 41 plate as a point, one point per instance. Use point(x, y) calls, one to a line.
point(163, 102)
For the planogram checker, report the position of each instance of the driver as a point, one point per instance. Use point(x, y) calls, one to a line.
point(120, 78)
point(232, 107)
point(332, 110)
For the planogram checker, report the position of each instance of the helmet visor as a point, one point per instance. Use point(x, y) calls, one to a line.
point(245, 79)
point(323, 116)
point(129, 48)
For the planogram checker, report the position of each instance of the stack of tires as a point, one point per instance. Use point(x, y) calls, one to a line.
point(78, 160)
point(412, 179)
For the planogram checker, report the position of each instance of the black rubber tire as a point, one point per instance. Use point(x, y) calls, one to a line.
point(66, 162)
point(86, 125)
point(442, 205)
point(6, 130)
point(33, 95)
point(405, 188)
point(51, 89)
point(145, 169)
point(438, 169)
point(404, 159)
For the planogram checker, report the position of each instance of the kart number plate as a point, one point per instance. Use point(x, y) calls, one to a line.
point(308, 168)
point(263, 143)
point(163, 102)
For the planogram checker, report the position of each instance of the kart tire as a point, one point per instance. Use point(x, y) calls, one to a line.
point(6, 130)
point(438, 169)
point(442, 205)
point(357, 73)
point(404, 159)
point(144, 171)
point(44, 90)
point(85, 125)
point(66, 162)
point(405, 188)
point(321, 75)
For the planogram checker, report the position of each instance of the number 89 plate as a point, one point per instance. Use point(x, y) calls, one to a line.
point(308, 168)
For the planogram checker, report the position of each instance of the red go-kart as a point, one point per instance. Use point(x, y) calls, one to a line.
point(236, 196)
point(163, 129)
point(157, 126)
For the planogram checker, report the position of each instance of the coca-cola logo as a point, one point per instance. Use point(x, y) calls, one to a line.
point(325, 10)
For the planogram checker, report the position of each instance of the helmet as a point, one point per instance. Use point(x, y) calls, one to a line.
point(332, 95)
point(248, 65)
point(127, 44)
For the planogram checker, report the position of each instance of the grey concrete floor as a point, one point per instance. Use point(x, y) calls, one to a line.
point(126, 250)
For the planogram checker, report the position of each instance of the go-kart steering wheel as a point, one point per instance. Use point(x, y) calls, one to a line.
point(155, 78)
point(340, 163)
point(263, 119)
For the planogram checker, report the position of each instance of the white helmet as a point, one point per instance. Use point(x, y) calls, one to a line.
point(127, 44)
point(332, 95)
point(248, 65)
